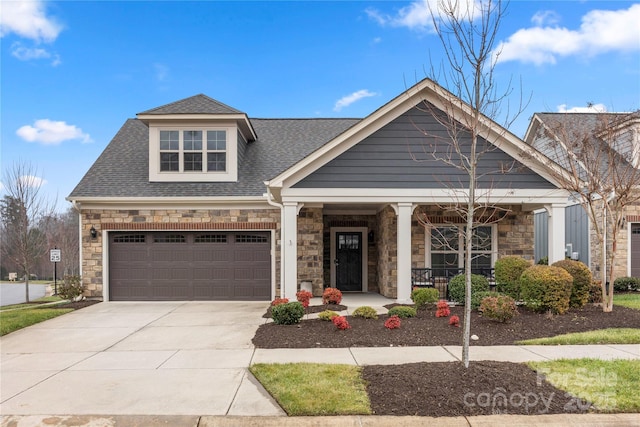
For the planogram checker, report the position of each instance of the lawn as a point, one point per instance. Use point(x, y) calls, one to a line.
point(627, 300)
point(13, 320)
point(601, 336)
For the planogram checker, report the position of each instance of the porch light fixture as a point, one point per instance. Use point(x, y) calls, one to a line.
point(94, 232)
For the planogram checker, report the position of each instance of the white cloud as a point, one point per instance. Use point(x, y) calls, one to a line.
point(590, 108)
point(49, 132)
point(345, 101)
point(28, 19)
point(32, 181)
point(600, 31)
point(28, 53)
point(545, 17)
point(417, 15)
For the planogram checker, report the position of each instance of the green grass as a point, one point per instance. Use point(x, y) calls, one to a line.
point(627, 300)
point(35, 303)
point(304, 389)
point(611, 385)
point(11, 321)
point(601, 336)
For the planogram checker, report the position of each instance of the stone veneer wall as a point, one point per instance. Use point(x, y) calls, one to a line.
point(369, 221)
point(310, 248)
point(620, 260)
point(515, 234)
point(387, 252)
point(166, 219)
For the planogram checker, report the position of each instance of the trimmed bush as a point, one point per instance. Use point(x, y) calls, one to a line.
point(392, 322)
point(624, 284)
point(582, 279)
point(595, 292)
point(279, 301)
point(402, 311)
point(288, 313)
point(443, 309)
point(71, 288)
point(365, 312)
point(341, 323)
point(304, 297)
point(501, 308)
point(545, 287)
point(331, 296)
point(327, 315)
point(457, 285)
point(476, 298)
point(508, 271)
point(454, 321)
point(422, 297)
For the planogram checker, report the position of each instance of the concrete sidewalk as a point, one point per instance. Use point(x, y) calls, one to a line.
point(561, 420)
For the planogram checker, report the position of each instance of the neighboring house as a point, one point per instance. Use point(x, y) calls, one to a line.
point(621, 131)
point(194, 200)
point(576, 236)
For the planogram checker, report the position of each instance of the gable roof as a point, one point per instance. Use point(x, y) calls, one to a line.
point(424, 91)
point(197, 104)
point(122, 170)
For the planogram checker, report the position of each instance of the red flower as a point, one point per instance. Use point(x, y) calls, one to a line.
point(392, 322)
point(341, 323)
point(454, 321)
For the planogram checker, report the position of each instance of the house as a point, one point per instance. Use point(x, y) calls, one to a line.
point(195, 200)
point(619, 131)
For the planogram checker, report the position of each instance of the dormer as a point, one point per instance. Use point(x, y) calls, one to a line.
point(623, 134)
point(196, 139)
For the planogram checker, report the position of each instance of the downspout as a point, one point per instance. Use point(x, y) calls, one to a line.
point(272, 202)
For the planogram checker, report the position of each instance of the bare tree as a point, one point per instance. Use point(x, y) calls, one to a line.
point(24, 210)
point(604, 176)
point(468, 110)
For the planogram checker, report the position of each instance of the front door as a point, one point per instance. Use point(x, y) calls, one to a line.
point(349, 261)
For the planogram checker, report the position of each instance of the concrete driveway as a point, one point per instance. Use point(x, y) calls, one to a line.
point(172, 358)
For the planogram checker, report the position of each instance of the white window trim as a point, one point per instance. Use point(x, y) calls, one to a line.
point(427, 244)
point(155, 175)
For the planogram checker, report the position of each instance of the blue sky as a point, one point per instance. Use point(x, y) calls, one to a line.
point(73, 71)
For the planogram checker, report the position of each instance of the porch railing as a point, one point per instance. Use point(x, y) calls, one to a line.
point(439, 278)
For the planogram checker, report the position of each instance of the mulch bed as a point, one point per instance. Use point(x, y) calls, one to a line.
point(447, 388)
point(427, 330)
point(313, 309)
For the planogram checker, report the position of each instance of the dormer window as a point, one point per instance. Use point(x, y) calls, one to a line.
point(192, 153)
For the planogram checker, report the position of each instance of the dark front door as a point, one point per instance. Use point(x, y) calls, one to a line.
point(635, 250)
point(349, 261)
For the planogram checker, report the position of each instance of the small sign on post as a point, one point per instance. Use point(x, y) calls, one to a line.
point(54, 255)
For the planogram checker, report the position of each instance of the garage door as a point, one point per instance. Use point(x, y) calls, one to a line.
point(635, 250)
point(178, 266)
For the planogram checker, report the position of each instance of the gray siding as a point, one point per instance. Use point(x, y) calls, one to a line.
point(576, 233)
point(399, 156)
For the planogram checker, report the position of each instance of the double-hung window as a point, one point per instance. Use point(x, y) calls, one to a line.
point(193, 150)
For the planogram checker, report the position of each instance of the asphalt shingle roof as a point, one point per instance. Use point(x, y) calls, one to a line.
point(198, 104)
point(122, 170)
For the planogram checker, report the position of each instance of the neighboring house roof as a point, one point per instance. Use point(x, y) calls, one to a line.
point(122, 170)
point(197, 104)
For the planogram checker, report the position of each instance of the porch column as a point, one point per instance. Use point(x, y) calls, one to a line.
point(556, 229)
point(289, 285)
point(403, 262)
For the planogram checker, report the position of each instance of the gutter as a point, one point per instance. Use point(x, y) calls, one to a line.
point(272, 202)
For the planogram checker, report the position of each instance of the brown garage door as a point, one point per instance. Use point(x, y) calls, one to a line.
point(178, 266)
point(635, 250)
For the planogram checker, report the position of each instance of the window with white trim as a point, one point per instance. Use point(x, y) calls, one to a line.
point(446, 247)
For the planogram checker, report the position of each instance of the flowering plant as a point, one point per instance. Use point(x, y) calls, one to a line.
point(454, 321)
point(443, 309)
point(331, 296)
point(392, 322)
point(279, 301)
point(341, 323)
point(304, 297)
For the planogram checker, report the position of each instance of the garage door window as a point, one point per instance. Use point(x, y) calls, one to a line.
point(211, 238)
point(247, 238)
point(129, 238)
point(170, 238)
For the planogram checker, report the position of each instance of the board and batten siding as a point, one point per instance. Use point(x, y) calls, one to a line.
point(401, 155)
point(576, 233)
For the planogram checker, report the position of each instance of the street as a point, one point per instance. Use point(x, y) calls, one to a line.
point(13, 293)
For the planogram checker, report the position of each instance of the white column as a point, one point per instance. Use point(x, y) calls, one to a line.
point(289, 285)
point(556, 232)
point(403, 261)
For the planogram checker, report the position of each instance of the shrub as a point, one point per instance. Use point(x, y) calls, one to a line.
point(331, 296)
point(327, 315)
point(508, 271)
point(595, 292)
point(443, 309)
point(582, 279)
point(279, 301)
point(365, 312)
point(476, 298)
point(304, 297)
point(423, 296)
point(624, 284)
point(287, 314)
point(501, 308)
point(454, 321)
point(341, 323)
point(544, 287)
point(457, 286)
point(392, 322)
point(543, 261)
point(71, 288)
point(402, 311)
